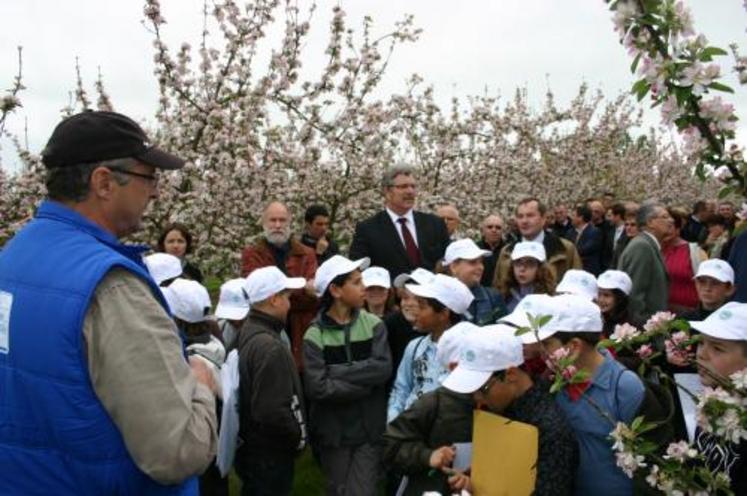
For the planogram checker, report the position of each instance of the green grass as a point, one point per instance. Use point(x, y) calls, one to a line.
point(307, 478)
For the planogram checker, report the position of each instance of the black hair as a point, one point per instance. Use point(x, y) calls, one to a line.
point(715, 220)
point(590, 338)
point(619, 313)
point(72, 182)
point(327, 299)
point(699, 206)
point(315, 211)
point(584, 212)
point(175, 226)
point(437, 306)
point(618, 209)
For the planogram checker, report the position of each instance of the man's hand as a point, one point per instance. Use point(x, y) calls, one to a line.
point(460, 482)
point(442, 457)
point(202, 373)
point(322, 245)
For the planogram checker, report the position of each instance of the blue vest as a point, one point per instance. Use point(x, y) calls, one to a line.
point(55, 435)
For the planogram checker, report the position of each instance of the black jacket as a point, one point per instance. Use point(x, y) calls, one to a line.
point(590, 246)
point(489, 262)
point(332, 248)
point(378, 238)
point(271, 406)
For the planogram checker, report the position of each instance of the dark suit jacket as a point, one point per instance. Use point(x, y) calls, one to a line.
point(617, 252)
point(607, 230)
point(590, 248)
point(378, 238)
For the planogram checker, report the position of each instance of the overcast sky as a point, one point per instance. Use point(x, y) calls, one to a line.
point(466, 48)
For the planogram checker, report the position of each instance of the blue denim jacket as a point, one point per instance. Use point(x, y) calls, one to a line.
point(619, 392)
point(418, 373)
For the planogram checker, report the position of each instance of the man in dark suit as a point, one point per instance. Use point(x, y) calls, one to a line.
point(643, 262)
point(588, 239)
point(399, 238)
point(562, 227)
point(606, 230)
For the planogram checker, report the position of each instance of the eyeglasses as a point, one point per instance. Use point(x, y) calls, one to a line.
point(486, 387)
point(494, 227)
point(152, 178)
point(405, 186)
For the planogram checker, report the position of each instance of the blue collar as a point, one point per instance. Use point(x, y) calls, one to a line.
point(56, 211)
point(603, 375)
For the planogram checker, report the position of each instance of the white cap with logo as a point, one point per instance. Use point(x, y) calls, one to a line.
point(578, 282)
point(419, 275)
point(717, 269)
point(335, 266)
point(464, 249)
point(449, 291)
point(576, 313)
point(450, 343)
point(483, 353)
point(163, 266)
point(536, 305)
point(233, 303)
point(530, 249)
point(188, 300)
point(728, 322)
point(377, 276)
point(615, 279)
point(267, 281)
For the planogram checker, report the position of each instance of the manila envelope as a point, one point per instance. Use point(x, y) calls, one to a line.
point(504, 456)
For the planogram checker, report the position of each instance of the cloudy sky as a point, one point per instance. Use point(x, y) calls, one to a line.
point(466, 48)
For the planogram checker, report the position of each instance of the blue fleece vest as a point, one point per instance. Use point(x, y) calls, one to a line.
point(55, 435)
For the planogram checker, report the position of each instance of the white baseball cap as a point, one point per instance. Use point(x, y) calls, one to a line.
point(188, 300)
point(233, 303)
point(578, 282)
point(718, 269)
point(615, 279)
point(483, 353)
point(163, 266)
point(449, 291)
point(267, 281)
point(450, 343)
point(530, 249)
point(534, 304)
point(419, 275)
point(728, 322)
point(464, 249)
point(376, 276)
point(575, 313)
point(335, 266)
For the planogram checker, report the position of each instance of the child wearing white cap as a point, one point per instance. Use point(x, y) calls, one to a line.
point(714, 283)
point(379, 295)
point(529, 274)
point(271, 405)
point(613, 292)
point(164, 268)
point(346, 366)
point(723, 352)
point(578, 282)
point(190, 305)
point(575, 331)
point(232, 309)
point(464, 261)
point(443, 301)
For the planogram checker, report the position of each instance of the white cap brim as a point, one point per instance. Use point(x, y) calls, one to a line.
point(716, 274)
point(421, 290)
point(715, 331)
point(294, 282)
point(462, 380)
point(230, 312)
point(531, 338)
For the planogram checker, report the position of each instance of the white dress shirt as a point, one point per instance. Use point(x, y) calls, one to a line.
point(410, 225)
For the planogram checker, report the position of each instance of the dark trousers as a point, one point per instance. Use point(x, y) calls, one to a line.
point(266, 475)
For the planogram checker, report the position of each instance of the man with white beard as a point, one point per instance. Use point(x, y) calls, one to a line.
point(277, 247)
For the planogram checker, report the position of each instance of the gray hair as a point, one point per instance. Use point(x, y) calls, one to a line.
point(72, 183)
point(387, 181)
point(646, 212)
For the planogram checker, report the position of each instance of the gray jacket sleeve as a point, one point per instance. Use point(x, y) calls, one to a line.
point(320, 385)
point(406, 437)
point(139, 373)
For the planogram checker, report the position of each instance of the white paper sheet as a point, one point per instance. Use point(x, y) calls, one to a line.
point(693, 384)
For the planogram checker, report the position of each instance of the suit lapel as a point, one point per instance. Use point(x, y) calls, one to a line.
point(393, 235)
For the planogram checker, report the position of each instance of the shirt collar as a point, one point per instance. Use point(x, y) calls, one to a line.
point(540, 238)
point(603, 376)
point(658, 245)
point(409, 216)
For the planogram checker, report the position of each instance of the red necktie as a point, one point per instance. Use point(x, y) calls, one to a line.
point(412, 249)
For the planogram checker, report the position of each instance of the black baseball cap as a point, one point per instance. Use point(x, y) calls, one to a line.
point(93, 136)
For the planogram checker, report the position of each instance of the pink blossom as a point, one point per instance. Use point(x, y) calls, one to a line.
point(658, 320)
point(680, 451)
point(569, 372)
point(625, 332)
point(645, 351)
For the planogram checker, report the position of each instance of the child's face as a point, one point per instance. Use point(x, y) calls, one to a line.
point(525, 270)
point(428, 318)
point(712, 293)
point(352, 293)
point(408, 303)
point(496, 394)
point(376, 295)
point(721, 356)
point(606, 300)
point(468, 272)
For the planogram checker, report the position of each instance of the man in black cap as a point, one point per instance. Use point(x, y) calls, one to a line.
point(97, 395)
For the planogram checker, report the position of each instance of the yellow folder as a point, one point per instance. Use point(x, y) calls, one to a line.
point(504, 456)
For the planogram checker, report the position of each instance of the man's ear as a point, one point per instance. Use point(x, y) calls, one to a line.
point(102, 182)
